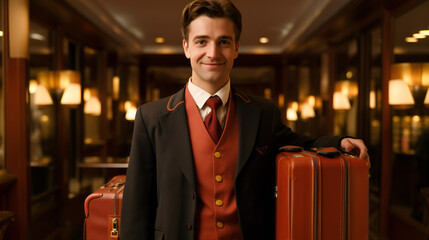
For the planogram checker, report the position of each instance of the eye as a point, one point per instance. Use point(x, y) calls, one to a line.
point(224, 43)
point(200, 42)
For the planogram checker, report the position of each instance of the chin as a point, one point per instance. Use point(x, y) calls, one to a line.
point(215, 79)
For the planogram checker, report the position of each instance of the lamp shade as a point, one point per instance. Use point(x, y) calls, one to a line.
point(93, 107)
point(291, 114)
point(426, 101)
point(307, 111)
point(72, 95)
point(399, 93)
point(131, 113)
point(341, 102)
point(42, 96)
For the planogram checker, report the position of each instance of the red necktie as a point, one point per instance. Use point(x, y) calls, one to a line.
point(211, 121)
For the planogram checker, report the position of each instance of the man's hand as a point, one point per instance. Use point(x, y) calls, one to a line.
point(356, 147)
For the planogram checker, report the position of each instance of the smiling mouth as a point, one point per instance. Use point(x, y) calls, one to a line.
point(213, 64)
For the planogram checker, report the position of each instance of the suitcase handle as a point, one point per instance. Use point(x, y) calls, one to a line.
point(291, 149)
point(330, 152)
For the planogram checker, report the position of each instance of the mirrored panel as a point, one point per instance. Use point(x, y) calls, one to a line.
point(42, 93)
point(409, 102)
point(345, 99)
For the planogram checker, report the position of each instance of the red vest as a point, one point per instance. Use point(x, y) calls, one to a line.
point(215, 167)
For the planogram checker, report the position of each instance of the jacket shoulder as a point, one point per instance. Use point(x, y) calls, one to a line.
point(153, 110)
point(252, 99)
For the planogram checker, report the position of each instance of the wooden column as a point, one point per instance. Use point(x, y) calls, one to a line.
point(386, 138)
point(16, 132)
point(16, 144)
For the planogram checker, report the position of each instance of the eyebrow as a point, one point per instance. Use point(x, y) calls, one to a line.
point(206, 36)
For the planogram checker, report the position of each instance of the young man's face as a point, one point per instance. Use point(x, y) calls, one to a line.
point(212, 49)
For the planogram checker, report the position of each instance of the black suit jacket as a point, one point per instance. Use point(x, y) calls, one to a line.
point(160, 198)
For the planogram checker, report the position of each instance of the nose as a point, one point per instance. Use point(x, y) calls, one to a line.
point(213, 51)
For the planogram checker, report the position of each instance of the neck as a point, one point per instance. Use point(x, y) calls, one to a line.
point(211, 88)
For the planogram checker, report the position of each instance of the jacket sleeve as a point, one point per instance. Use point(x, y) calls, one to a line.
point(139, 200)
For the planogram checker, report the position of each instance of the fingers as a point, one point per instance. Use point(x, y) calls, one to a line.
point(356, 146)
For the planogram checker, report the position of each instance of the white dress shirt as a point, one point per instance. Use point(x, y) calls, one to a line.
point(200, 97)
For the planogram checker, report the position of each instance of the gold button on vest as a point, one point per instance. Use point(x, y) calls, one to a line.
point(219, 224)
point(219, 178)
point(219, 202)
point(217, 155)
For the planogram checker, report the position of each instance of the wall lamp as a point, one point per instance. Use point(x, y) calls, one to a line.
point(62, 86)
point(409, 84)
point(344, 91)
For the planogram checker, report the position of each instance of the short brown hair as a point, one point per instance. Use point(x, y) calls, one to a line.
point(212, 9)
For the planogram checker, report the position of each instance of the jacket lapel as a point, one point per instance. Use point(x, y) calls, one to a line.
point(248, 117)
point(175, 124)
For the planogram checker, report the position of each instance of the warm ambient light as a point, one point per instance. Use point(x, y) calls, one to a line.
point(267, 93)
point(424, 32)
point(399, 93)
point(264, 40)
point(294, 105)
point(411, 40)
point(419, 36)
point(159, 40)
point(349, 74)
point(32, 86)
point(341, 102)
point(414, 74)
point(116, 87)
point(86, 94)
point(281, 100)
point(131, 110)
point(311, 100)
point(372, 100)
point(37, 36)
point(347, 87)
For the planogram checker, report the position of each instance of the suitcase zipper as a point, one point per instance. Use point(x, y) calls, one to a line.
point(115, 230)
point(316, 196)
point(114, 233)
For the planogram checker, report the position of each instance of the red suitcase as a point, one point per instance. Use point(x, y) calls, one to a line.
point(321, 195)
point(103, 210)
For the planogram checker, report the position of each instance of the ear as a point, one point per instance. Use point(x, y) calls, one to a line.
point(237, 46)
point(186, 48)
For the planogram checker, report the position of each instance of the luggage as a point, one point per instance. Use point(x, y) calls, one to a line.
point(103, 210)
point(321, 195)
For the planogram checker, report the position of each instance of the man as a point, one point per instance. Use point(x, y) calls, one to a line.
point(198, 173)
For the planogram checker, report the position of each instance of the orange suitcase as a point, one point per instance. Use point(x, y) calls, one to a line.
point(103, 210)
point(321, 195)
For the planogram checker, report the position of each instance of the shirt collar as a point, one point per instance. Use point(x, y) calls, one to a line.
point(200, 95)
